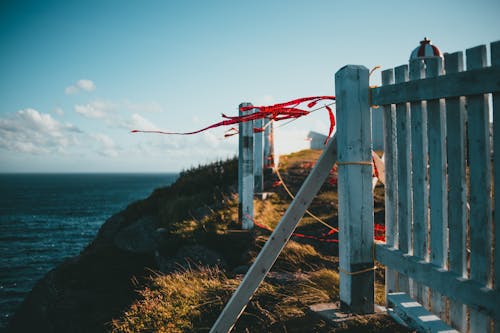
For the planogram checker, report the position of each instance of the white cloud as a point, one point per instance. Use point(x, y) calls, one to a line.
point(59, 111)
point(70, 90)
point(85, 84)
point(96, 110)
point(139, 122)
point(107, 147)
point(148, 107)
point(31, 131)
point(80, 85)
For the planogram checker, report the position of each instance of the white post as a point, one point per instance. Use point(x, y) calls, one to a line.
point(355, 189)
point(245, 171)
point(259, 155)
point(495, 62)
point(268, 144)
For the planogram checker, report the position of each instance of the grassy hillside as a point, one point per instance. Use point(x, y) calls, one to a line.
point(203, 256)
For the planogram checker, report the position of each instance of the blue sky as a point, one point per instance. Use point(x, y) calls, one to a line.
point(77, 76)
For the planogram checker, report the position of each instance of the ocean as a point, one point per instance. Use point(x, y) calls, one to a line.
point(46, 218)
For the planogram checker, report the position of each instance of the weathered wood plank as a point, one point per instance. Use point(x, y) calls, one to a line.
point(416, 316)
point(277, 241)
point(420, 195)
point(355, 189)
point(245, 171)
point(258, 142)
point(437, 182)
point(451, 284)
point(495, 61)
point(391, 225)
point(403, 174)
point(471, 82)
point(457, 201)
point(480, 187)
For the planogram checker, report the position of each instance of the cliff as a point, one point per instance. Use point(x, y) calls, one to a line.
point(170, 262)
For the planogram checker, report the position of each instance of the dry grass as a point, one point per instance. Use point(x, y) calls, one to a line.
point(187, 302)
point(304, 273)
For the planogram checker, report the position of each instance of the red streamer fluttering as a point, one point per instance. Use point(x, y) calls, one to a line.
point(276, 112)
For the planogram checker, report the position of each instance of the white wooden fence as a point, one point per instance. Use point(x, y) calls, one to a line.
point(440, 226)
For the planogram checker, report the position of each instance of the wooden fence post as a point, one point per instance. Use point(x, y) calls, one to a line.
point(245, 171)
point(258, 156)
point(355, 189)
point(268, 144)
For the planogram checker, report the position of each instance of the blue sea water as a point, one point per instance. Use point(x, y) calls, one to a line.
point(45, 218)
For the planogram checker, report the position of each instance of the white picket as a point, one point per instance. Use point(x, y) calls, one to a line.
point(390, 158)
point(480, 187)
point(495, 61)
point(403, 174)
point(457, 201)
point(420, 179)
point(437, 183)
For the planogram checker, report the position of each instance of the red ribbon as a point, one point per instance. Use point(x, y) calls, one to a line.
point(276, 112)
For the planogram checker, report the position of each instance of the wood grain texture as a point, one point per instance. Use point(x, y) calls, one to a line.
point(480, 187)
point(471, 82)
point(403, 175)
point(355, 189)
point(457, 201)
point(390, 159)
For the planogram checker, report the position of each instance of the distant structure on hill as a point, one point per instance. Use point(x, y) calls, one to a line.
point(317, 140)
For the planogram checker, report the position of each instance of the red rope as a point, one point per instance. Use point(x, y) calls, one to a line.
point(276, 112)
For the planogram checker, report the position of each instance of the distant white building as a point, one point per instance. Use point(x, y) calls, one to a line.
point(317, 140)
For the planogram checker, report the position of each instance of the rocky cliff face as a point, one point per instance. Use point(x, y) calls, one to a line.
point(84, 293)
